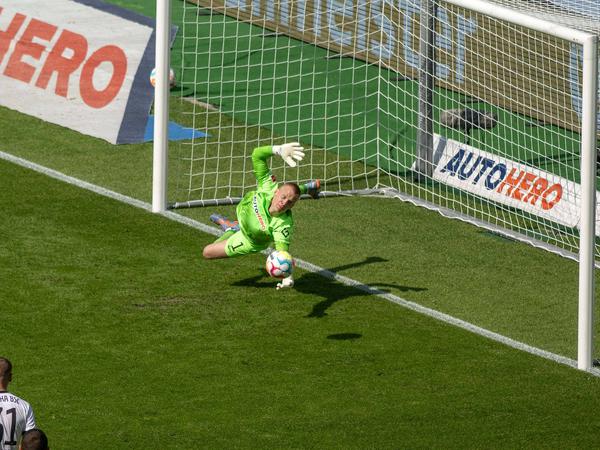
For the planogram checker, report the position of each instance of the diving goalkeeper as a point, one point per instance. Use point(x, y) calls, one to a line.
point(265, 214)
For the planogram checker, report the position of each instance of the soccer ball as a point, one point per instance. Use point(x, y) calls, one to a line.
point(280, 264)
point(171, 78)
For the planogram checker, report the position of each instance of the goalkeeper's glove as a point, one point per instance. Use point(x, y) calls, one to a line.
point(287, 282)
point(290, 152)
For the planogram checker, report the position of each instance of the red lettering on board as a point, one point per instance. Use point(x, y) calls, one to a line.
point(6, 36)
point(64, 66)
point(100, 98)
point(17, 68)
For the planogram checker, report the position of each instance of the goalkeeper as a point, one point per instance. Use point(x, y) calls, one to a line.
point(265, 214)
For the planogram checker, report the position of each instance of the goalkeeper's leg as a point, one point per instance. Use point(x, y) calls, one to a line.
point(311, 188)
point(217, 248)
point(226, 235)
point(225, 223)
point(230, 244)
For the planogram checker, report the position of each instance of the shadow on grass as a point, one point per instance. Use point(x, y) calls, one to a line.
point(321, 284)
point(344, 336)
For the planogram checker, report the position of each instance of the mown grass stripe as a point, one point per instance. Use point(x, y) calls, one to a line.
point(305, 265)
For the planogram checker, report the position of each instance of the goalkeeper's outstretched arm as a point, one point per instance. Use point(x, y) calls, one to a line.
point(290, 153)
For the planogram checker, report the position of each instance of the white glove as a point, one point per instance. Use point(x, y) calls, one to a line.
point(290, 152)
point(286, 283)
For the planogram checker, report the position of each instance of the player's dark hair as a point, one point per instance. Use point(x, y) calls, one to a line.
point(34, 439)
point(294, 186)
point(5, 367)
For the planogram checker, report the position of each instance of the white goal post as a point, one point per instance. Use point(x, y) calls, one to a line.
point(483, 110)
point(161, 106)
point(589, 42)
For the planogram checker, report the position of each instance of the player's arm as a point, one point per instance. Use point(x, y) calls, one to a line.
point(29, 418)
point(290, 153)
point(282, 246)
point(288, 281)
point(282, 235)
point(281, 238)
point(282, 242)
point(260, 156)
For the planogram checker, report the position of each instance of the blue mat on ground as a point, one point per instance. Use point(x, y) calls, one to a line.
point(176, 131)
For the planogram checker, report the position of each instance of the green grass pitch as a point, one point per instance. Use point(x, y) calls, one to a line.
point(123, 337)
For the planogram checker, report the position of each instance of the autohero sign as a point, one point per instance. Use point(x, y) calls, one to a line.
point(507, 182)
point(75, 63)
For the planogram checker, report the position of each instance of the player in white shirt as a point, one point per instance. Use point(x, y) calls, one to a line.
point(16, 415)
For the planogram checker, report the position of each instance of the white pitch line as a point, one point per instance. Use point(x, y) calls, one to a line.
point(305, 265)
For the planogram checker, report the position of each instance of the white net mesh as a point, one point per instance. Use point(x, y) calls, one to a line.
point(342, 78)
point(579, 14)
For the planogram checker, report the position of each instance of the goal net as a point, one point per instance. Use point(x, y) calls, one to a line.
point(501, 119)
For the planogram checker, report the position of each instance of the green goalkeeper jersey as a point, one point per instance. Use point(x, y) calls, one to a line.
point(253, 211)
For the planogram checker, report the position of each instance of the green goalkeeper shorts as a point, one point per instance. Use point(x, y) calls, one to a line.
point(239, 244)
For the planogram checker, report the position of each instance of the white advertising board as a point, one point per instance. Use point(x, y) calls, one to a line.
point(82, 64)
point(507, 182)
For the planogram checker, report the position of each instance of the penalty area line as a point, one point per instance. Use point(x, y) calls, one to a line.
point(305, 265)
